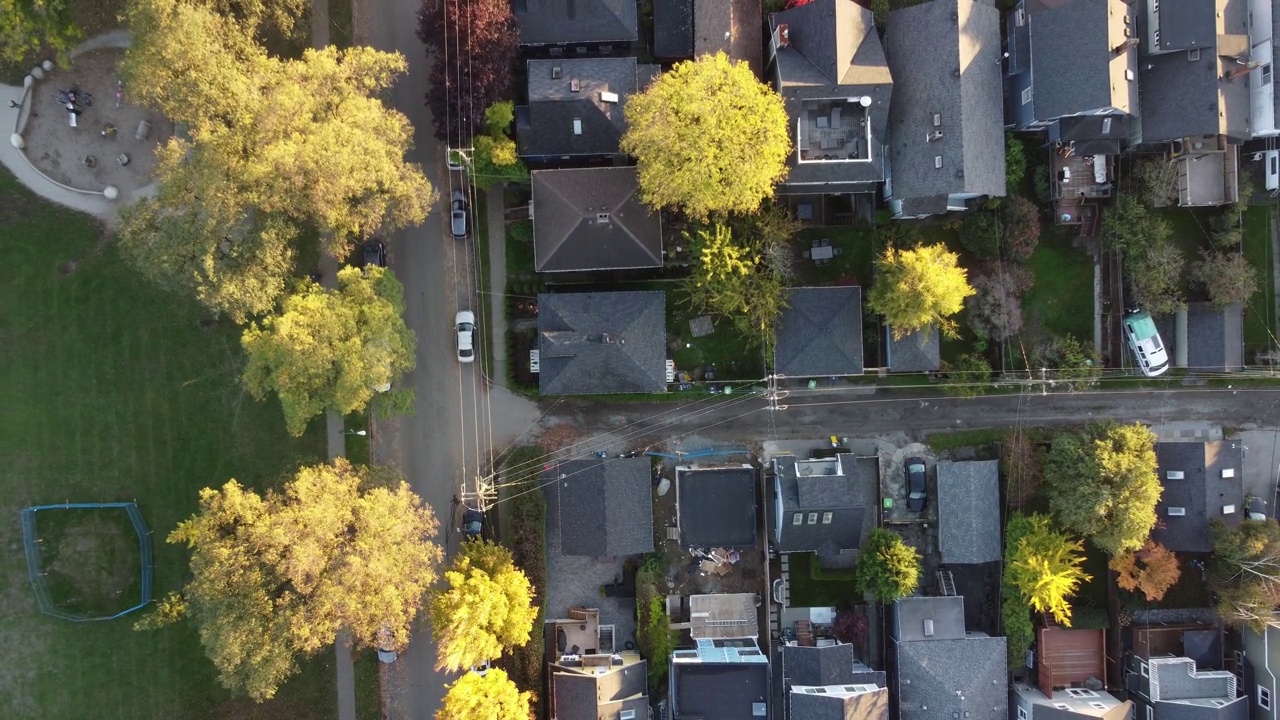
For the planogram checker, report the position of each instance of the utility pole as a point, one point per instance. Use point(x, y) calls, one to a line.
point(484, 494)
point(772, 394)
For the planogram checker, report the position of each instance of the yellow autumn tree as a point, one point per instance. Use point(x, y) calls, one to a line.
point(491, 696)
point(1044, 565)
point(918, 288)
point(486, 608)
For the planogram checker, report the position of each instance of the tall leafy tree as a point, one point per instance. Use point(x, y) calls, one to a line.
point(1226, 276)
point(732, 279)
point(1246, 565)
point(1151, 570)
point(27, 26)
point(331, 349)
point(491, 696)
point(275, 576)
point(1044, 565)
point(919, 288)
point(887, 567)
point(1102, 483)
point(708, 137)
point(474, 45)
point(486, 608)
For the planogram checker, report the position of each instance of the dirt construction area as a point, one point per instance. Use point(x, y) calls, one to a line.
point(103, 149)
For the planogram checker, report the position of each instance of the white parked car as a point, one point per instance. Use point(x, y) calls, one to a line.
point(465, 323)
point(1144, 341)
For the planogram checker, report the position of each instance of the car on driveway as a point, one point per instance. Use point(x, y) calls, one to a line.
point(375, 253)
point(917, 484)
point(458, 215)
point(465, 323)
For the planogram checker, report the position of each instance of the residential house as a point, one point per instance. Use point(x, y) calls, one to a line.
point(917, 351)
point(1072, 704)
point(819, 333)
point(828, 681)
point(1214, 338)
point(716, 506)
point(605, 506)
point(687, 29)
point(726, 675)
point(1176, 688)
point(1262, 691)
point(1069, 680)
point(824, 506)
point(575, 108)
point(609, 342)
point(969, 511)
point(942, 670)
point(1194, 82)
point(1201, 483)
point(830, 69)
point(576, 27)
point(1262, 90)
point(592, 219)
point(946, 134)
point(589, 678)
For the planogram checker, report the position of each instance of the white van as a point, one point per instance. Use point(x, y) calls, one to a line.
point(1144, 340)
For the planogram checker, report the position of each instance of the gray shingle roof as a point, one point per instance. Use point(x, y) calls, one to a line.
point(820, 333)
point(945, 613)
point(969, 511)
point(613, 342)
point(593, 219)
point(1182, 97)
point(1093, 134)
point(1072, 54)
point(579, 694)
point(546, 126)
point(847, 496)
point(1202, 492)
point(834, 51)
point(920, 351)
point(864, 706)
point(712, 22)
point(561, 22)
point(817, 666)
point(948, 678)
point(606, 506)
point(945, 59)
point(673, 29)
point(716, 507)
point(1215, 338)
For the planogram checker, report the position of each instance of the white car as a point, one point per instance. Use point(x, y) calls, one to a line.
point(465, 323)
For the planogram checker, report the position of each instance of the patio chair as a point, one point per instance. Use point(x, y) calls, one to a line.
point(835, 251)
point(806, 254)
point(824, 242)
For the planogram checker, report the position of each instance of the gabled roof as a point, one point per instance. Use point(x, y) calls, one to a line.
point(716, 507)
point(819, 334)
point(585, 693)
point(673, 29)
point(1073, 54)
point(712, 27)
point(593, 219)
point(817, 666)
point(1215, 337)
point(838, 703)
point(560, 120)
point(1093, 134)
point(845, 494)
point(969, 511)
point(945, 59)
point(1201, 492)
point(947, 678)
point(562, 22)
point(612, 342)
point(606, 506)
point(919, 351)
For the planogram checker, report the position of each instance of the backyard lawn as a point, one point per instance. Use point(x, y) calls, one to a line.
point(1259, 316)
point(852, 266)
point(835, 588)
point(114, 391)
point(1061, 301)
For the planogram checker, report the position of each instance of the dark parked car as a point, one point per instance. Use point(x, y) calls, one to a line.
point(472, 524)
point(917, 484)
point(458, 215)
point(375, 253)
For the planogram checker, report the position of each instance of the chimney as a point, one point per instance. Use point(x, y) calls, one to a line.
point(935, 135)
point(784, 35)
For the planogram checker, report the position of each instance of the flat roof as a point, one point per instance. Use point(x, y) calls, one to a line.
point(716, 507)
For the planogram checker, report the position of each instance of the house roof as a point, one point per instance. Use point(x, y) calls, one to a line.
point(1185, 94)
point(546, 126)
point(969, 511)
point(949, 678)
point(817, 666)
point(1074, 60)
point(719, 691)
point(1092, 134)
point(836, 704)
point(610, 342)
point(721, 616)
point(606, 506)
point(1215, 337)
point(1201, 492)
point(586, 693)
point(834, 51)
point(918, 351)
point(820, 332)
point(673, 29)
point(928, 618)
point(716, 507)
point(561, 22)
point(1179, 679)
point(844, 486)
point(712, 27)
point(945, 58)
point(593, 219)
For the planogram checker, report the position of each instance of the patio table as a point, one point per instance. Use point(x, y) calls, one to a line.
point(821, 252)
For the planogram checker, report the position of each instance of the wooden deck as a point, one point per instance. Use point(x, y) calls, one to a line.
point(1069, 657)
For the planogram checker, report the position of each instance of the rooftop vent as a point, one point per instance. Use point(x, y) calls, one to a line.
point(577, 126)
point(928, 628)
point(555, 72)
point(609, 97)
point(574, 86)
point(1175, 475)
point(937, 161)
point(1177, 511)
point(602, 217)
point(759, 709)
point(933, 136)
point(937, 119)
point(1228, 472)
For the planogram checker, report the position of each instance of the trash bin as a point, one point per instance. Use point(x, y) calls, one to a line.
point(888, 503)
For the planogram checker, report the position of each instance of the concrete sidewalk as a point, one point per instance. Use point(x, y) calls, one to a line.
point(496, 216)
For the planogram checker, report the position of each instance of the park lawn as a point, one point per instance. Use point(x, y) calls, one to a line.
point(1259, 316)
point(1061, 301)
point(834, 588)
point(114, 391)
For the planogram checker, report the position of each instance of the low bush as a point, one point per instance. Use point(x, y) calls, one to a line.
point(526, 537)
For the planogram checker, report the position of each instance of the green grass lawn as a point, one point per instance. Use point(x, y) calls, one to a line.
point(734, 357)
point(834, 588)
point(114, 391)
point(851, 267)
point(1061, 301)
point(1259, 316)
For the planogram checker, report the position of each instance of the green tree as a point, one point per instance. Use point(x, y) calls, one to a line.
point(1224, 229)
point(1157, 273)
point(656, 639)
point(731, 280)
point(708, 137)
point(331, 349)
point(1227, 277)
point(887, 568)
point(1128, 225)
point(495, 159)
point(275, 577)
point(1015, 613)
point(491, 696)
point(1067, 360)
point(1021, 220)
point(995, 310)
point(919, 288)
point(27, 26)
point(981, 233)
point(967, 376)
point(1246, 567)
point(1045, 566)
point(1156, 182)
point(486, 608)
point(1015, 163)
point(1102, 483)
